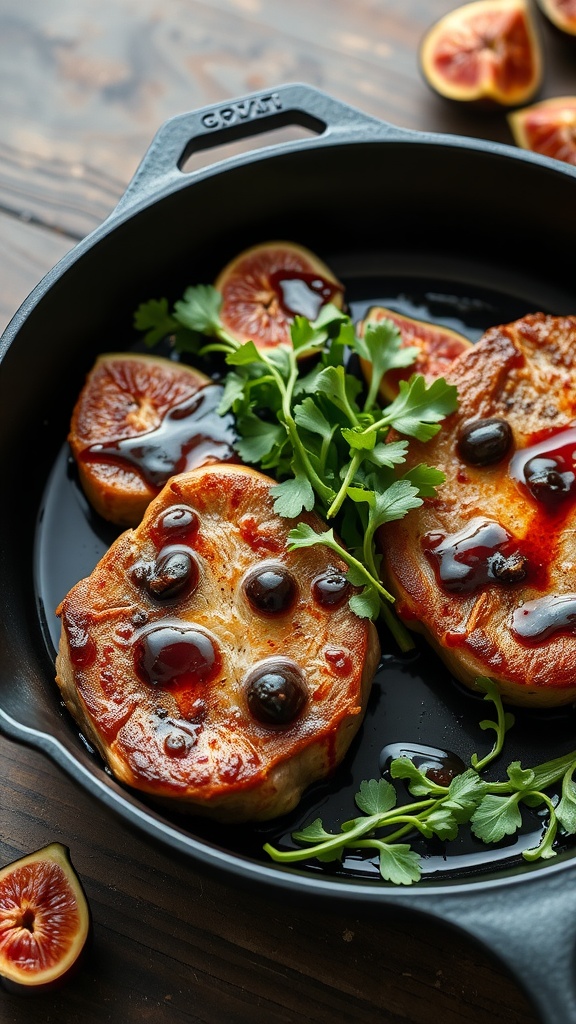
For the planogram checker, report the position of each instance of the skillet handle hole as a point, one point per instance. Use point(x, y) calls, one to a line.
point(227, 142)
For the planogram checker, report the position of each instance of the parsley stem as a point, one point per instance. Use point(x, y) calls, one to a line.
point(336, 505)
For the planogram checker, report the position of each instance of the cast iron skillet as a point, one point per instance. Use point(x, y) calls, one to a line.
point(468, 233)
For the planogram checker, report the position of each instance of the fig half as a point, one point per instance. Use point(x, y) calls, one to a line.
point(138, 420)
point(45, 920)
point(266, 286)
point(548, 128)
point(437, 347)
point(561, 13)
point(485, 53)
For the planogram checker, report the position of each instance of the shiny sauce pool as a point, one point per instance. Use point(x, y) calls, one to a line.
point(190, 434)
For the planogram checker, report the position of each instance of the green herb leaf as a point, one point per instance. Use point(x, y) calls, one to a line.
point(376, 796)
point(417, 409)
point(155, 319)
point(199, 309)
point(566, 809)
point(258, 438)
point(496, 817)
point(398, 863)
point(292, 496)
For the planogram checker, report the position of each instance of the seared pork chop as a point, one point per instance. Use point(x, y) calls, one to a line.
point(212, 668)
point(487, 569)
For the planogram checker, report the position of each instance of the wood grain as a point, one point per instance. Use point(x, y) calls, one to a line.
point(84, 88)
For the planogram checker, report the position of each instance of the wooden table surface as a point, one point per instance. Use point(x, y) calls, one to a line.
point(84, 86)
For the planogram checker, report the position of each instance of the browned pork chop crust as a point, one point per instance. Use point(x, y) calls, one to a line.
point(487, 569)
point(164, 649)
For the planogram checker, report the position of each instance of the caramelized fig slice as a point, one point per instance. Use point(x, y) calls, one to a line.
point(138, 420)
point(437, 346)
point(561, 13)
point(45, 920)
point(266, 286)
point(548, 128)
point(485, 53)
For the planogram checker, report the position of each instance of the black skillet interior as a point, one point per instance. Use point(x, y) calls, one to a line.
point(462, 233)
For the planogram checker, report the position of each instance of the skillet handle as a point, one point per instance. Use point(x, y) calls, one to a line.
point(297, 104)
point(529, 925)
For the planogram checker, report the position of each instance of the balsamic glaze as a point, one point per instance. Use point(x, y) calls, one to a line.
point(331, 589)
point(303, 294)
point(270, 589)
point(176, 655)
point(190, 434)
point(440, 766)
point(536, 621)
point(275, 692)
point(481, 552)
point(546, 470)
point(485, 442)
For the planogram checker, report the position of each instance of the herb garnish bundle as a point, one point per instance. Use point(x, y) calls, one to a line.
point(491, 808)
point(311, 425)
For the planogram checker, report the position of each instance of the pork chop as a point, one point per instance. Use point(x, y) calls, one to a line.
point(487, 568)
point(212, 668)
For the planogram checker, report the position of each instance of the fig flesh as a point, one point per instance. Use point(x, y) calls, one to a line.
point(45, 921)
point(138, 420)
point(266, 286)
point(437, 346)
point(485, 53)
point(561, 13)
point(548, 128)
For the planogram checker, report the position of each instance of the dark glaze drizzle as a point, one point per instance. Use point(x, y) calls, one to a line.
point(179, 522)
point(173, 574)
point(546, 470)
point(440, 766)
point(176, 655)
point(482, 552)
point(303, 294)
point(189, 435)
point(331, 589)
point(538, 620)
point(275, 692)
point(270, 589)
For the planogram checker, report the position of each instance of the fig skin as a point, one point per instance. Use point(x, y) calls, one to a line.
point(251, 307)
point(50, 870)
point(548, 128)
point(468, 30)
point(562, 22)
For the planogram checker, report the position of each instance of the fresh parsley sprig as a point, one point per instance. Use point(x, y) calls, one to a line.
point(311, 426)
point(492, 809)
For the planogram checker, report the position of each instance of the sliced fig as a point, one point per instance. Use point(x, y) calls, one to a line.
point(486, 53)
point(266, 286)
point(45, 920)
point(438, 348)
point(138, 420)
point(548, 127)
point(561, 13)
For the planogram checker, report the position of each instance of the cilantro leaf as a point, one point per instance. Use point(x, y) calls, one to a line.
point(382, 347)
point(496, 817)
point(154, 318)
point(292, 496)
point(257, 438)
point(398, 863)
point(375, 796)
point(199, 309)
point(418, 408)
point(366, 604)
